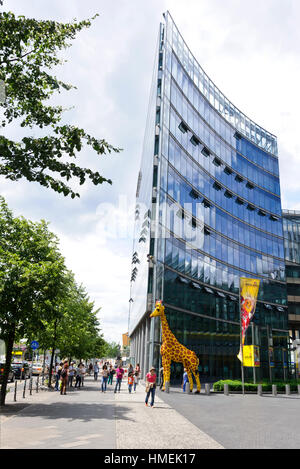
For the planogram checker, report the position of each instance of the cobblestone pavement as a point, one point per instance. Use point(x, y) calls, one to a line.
point(88, 418)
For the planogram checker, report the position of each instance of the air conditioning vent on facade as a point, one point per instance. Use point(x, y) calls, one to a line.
point(183, 127)
point(206, 203)
point(238, 136)
point(194, 140)
point(194, 194)
point(205, 151)
point(261, 213)
point(239, 178)
point(217, 161)
point(228, 170)
point(228, 194)
point(249, 185)
point(239, 201)
point(217, 186)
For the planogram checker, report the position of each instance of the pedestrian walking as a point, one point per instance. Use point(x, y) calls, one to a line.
point(137, 372)
point(64, 377)
point(185, 379)
point(130, 381)
point(120, 372)
point(104, 378)
point(90, 369)
point(161, 377)
point(71, 375)
point(111, 372)
point(57, 376)
point(96, 371)
point(130, 369)
point(78, 377)
point(150, 386)
point(82, 373)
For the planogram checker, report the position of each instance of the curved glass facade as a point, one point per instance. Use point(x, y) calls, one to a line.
point(216, 216)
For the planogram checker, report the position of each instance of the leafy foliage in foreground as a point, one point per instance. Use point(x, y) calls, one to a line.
point(28, 51)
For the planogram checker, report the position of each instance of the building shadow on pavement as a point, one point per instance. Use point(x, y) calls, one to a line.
point(67, 410)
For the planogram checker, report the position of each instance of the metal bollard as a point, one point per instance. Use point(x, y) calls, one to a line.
point(274, 389)
point(207, 389)
point(298, 388)
point(167, 387)
point(226, 389)
point(24, 389)
point(287, 389)
point(259, 389)
point(187, 388)
point(30, 386)
point(15, 393)
point(37, 384)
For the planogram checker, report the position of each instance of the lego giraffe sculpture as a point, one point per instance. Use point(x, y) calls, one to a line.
point(172, 350)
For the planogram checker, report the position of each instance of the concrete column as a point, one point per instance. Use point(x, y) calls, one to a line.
point(146, 352)
point(287, 389)
point(142, 345)
point(259, 389)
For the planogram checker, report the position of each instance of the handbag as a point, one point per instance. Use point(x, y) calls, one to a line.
point(147, 389)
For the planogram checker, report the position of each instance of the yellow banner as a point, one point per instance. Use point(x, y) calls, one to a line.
point(251, 356)
point(248, 295)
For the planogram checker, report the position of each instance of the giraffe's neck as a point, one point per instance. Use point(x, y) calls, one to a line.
point(166, 331)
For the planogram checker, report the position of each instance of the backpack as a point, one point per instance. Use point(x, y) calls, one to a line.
point(63, 373)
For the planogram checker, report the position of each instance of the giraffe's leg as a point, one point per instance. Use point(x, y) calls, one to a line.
point(190, 377)
point(197, 378)
point(166, 363)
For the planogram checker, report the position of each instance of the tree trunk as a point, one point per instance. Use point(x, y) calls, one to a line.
point(9, 349)
point(52, 354)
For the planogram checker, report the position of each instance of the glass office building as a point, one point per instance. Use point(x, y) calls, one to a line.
point(291, 230)
point(208, 211)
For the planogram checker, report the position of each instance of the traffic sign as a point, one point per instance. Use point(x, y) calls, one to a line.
point(34, 345)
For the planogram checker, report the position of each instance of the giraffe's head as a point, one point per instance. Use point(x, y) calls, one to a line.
point(159, 309)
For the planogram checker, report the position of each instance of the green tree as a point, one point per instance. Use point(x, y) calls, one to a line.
point(32, 278)
point(28, 51)
point(112, 350)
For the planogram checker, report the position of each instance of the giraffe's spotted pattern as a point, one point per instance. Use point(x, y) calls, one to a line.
point(172, 350)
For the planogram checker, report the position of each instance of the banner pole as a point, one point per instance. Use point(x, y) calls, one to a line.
point(253, 340)
point(241, 338)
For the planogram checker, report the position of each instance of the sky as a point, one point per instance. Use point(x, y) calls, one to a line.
point(250, 49)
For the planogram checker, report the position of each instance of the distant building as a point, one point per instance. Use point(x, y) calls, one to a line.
point(291, 231)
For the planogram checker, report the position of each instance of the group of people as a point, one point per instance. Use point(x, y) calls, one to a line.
point(65, 374)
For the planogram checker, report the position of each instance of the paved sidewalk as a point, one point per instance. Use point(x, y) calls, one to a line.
point(87, 418)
